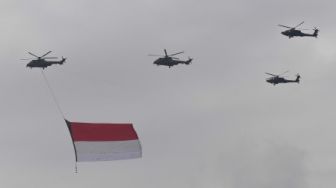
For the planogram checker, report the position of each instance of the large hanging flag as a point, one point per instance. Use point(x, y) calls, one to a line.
point(104, 141)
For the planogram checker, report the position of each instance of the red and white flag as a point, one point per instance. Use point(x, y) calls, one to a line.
point(104, 141)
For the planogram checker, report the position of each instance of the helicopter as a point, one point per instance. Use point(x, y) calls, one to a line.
point(169, 60)
point(41, 61)
point(293, 32)
point(277, 79)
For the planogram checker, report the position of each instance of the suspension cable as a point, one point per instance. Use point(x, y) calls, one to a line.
point(53, 94)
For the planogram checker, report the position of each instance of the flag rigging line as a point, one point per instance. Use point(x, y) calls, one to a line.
point(53, 94)
point(58, 108)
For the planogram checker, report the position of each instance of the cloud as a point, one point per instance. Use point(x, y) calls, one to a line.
point(262, 165)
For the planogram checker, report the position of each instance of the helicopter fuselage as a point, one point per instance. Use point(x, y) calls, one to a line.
point(277, 80)
point(168, 61)
point(41, 63)
point(297, 33)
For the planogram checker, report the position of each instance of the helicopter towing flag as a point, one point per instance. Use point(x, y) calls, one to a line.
point(104, 141)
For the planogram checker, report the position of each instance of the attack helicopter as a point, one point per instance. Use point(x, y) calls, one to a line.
point(277, 79)
point(169, 60)
point(41, 61)
point(293, 32)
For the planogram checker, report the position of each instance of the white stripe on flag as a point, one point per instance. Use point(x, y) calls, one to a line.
point(107, 150)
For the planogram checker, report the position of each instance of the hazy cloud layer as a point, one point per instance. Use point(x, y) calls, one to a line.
point(215, 123)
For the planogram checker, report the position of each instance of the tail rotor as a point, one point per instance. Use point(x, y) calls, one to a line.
point(298, 78)
point(189, 61)
point(316, 30)
point(63, 60)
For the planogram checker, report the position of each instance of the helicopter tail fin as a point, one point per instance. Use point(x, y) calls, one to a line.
point(62, 61)
point(298, 78)
point(188, 61)
point(315, 32)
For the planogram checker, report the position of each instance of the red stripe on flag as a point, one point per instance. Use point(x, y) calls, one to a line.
point(102, 132)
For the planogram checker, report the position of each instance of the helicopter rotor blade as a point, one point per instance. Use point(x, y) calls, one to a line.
point(176, 53)
point(46, 54)
point(299, 24)
point(33, 54)
point(307, 29)
point(175, 58)
point(285, 26)
point(49, 57)
point(283, 73)
point(27, 59)
point(271, 74)
point(154, 55)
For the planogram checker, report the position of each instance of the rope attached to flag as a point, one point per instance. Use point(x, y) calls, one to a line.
point(52, 94)
point(57, 105)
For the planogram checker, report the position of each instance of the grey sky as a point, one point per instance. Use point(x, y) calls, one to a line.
point(215, 123)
